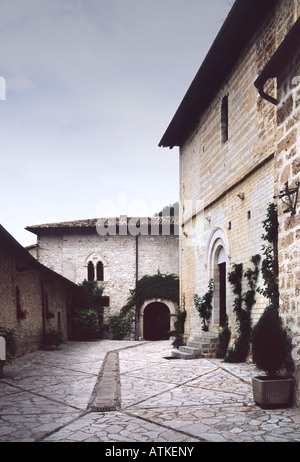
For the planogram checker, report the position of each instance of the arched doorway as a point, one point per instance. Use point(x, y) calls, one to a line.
point(156, 321)
point(220, 272)
point(218, 254)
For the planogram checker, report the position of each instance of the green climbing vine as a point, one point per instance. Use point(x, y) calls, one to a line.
point(224, 339)
point(204, 305)
point(269, 265)
point(158, 285)
point(243, 304)
point(178, 332)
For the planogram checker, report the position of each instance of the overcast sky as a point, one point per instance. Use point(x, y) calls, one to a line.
point(91, 86)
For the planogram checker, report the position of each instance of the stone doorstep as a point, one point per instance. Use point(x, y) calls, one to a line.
point(182, 355)
point(204, 346)
point(200, 345)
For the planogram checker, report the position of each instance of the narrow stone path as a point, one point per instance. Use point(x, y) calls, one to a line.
point(107, 393)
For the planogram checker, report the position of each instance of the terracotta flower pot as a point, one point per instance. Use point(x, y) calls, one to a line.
point(272, 391)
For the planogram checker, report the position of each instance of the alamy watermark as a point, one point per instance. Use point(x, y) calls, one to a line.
point(168, 222)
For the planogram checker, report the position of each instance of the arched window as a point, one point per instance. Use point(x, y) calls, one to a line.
point(96, 268)
point(91, 271)
point(100, 271)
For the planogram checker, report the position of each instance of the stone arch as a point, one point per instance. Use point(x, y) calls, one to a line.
point(153, 304)
point(95, 267)
point(218, 261)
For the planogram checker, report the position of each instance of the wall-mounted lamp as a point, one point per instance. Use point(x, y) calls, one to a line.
point(289, 197)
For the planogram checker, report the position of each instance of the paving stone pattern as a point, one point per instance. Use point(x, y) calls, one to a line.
point(114, 391)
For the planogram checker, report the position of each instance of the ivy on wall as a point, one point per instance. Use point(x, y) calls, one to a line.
point(243, 304)
point(203, 305)
point(269, 266)
point(269, 269)
point(158, 285)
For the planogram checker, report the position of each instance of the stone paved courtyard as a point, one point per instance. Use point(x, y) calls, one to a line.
point(47, 395)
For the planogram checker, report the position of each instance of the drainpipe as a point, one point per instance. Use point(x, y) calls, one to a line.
point(260, 87)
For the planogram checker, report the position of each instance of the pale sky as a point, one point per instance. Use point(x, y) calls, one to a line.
point(91, 86)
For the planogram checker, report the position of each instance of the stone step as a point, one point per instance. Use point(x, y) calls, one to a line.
point(200, 347)
point(182, 355)
point(207, 338)
point(188, 349)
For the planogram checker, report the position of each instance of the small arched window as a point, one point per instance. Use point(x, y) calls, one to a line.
point(91, 271)
point(100, 271)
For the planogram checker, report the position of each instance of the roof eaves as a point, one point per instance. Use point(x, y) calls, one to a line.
point(13, 246)
point(244, 17)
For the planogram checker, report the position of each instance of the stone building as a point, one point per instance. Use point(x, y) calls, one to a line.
point(114, 252)
point(284, 66)
point(33, 298)
point(237, 151)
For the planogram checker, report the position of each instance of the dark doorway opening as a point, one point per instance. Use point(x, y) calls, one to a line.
point(156, 321)
point(222, 272)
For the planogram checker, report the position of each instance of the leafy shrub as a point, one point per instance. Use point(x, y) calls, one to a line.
point(204, 305)
point(53, 338)
point(270, 343)
point(86, 324)
point(87, 318)
point(121, 325)
point(178, 332)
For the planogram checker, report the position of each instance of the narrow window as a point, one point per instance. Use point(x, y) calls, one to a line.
point(100, 271)
point(91, 271)
point(224, 119)
point(18, 302)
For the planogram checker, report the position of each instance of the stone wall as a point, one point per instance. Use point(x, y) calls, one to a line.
point(69, 252)
point(27, 285)
point(288, 170)
point(226, 186)
point(238, 222)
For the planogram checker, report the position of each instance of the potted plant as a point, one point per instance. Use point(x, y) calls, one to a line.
point(270, 350)
point(270, 343)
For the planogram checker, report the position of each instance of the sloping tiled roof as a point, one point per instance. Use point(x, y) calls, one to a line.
point(12, 246)
point(243, 19)
point(92, 223)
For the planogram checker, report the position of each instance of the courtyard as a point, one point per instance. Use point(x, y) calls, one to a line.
point(49, 396)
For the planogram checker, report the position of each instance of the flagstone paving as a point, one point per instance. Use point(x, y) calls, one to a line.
point(49, 396)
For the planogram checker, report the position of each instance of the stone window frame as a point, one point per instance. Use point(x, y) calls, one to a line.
point(92, 265)
point(217, 244)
